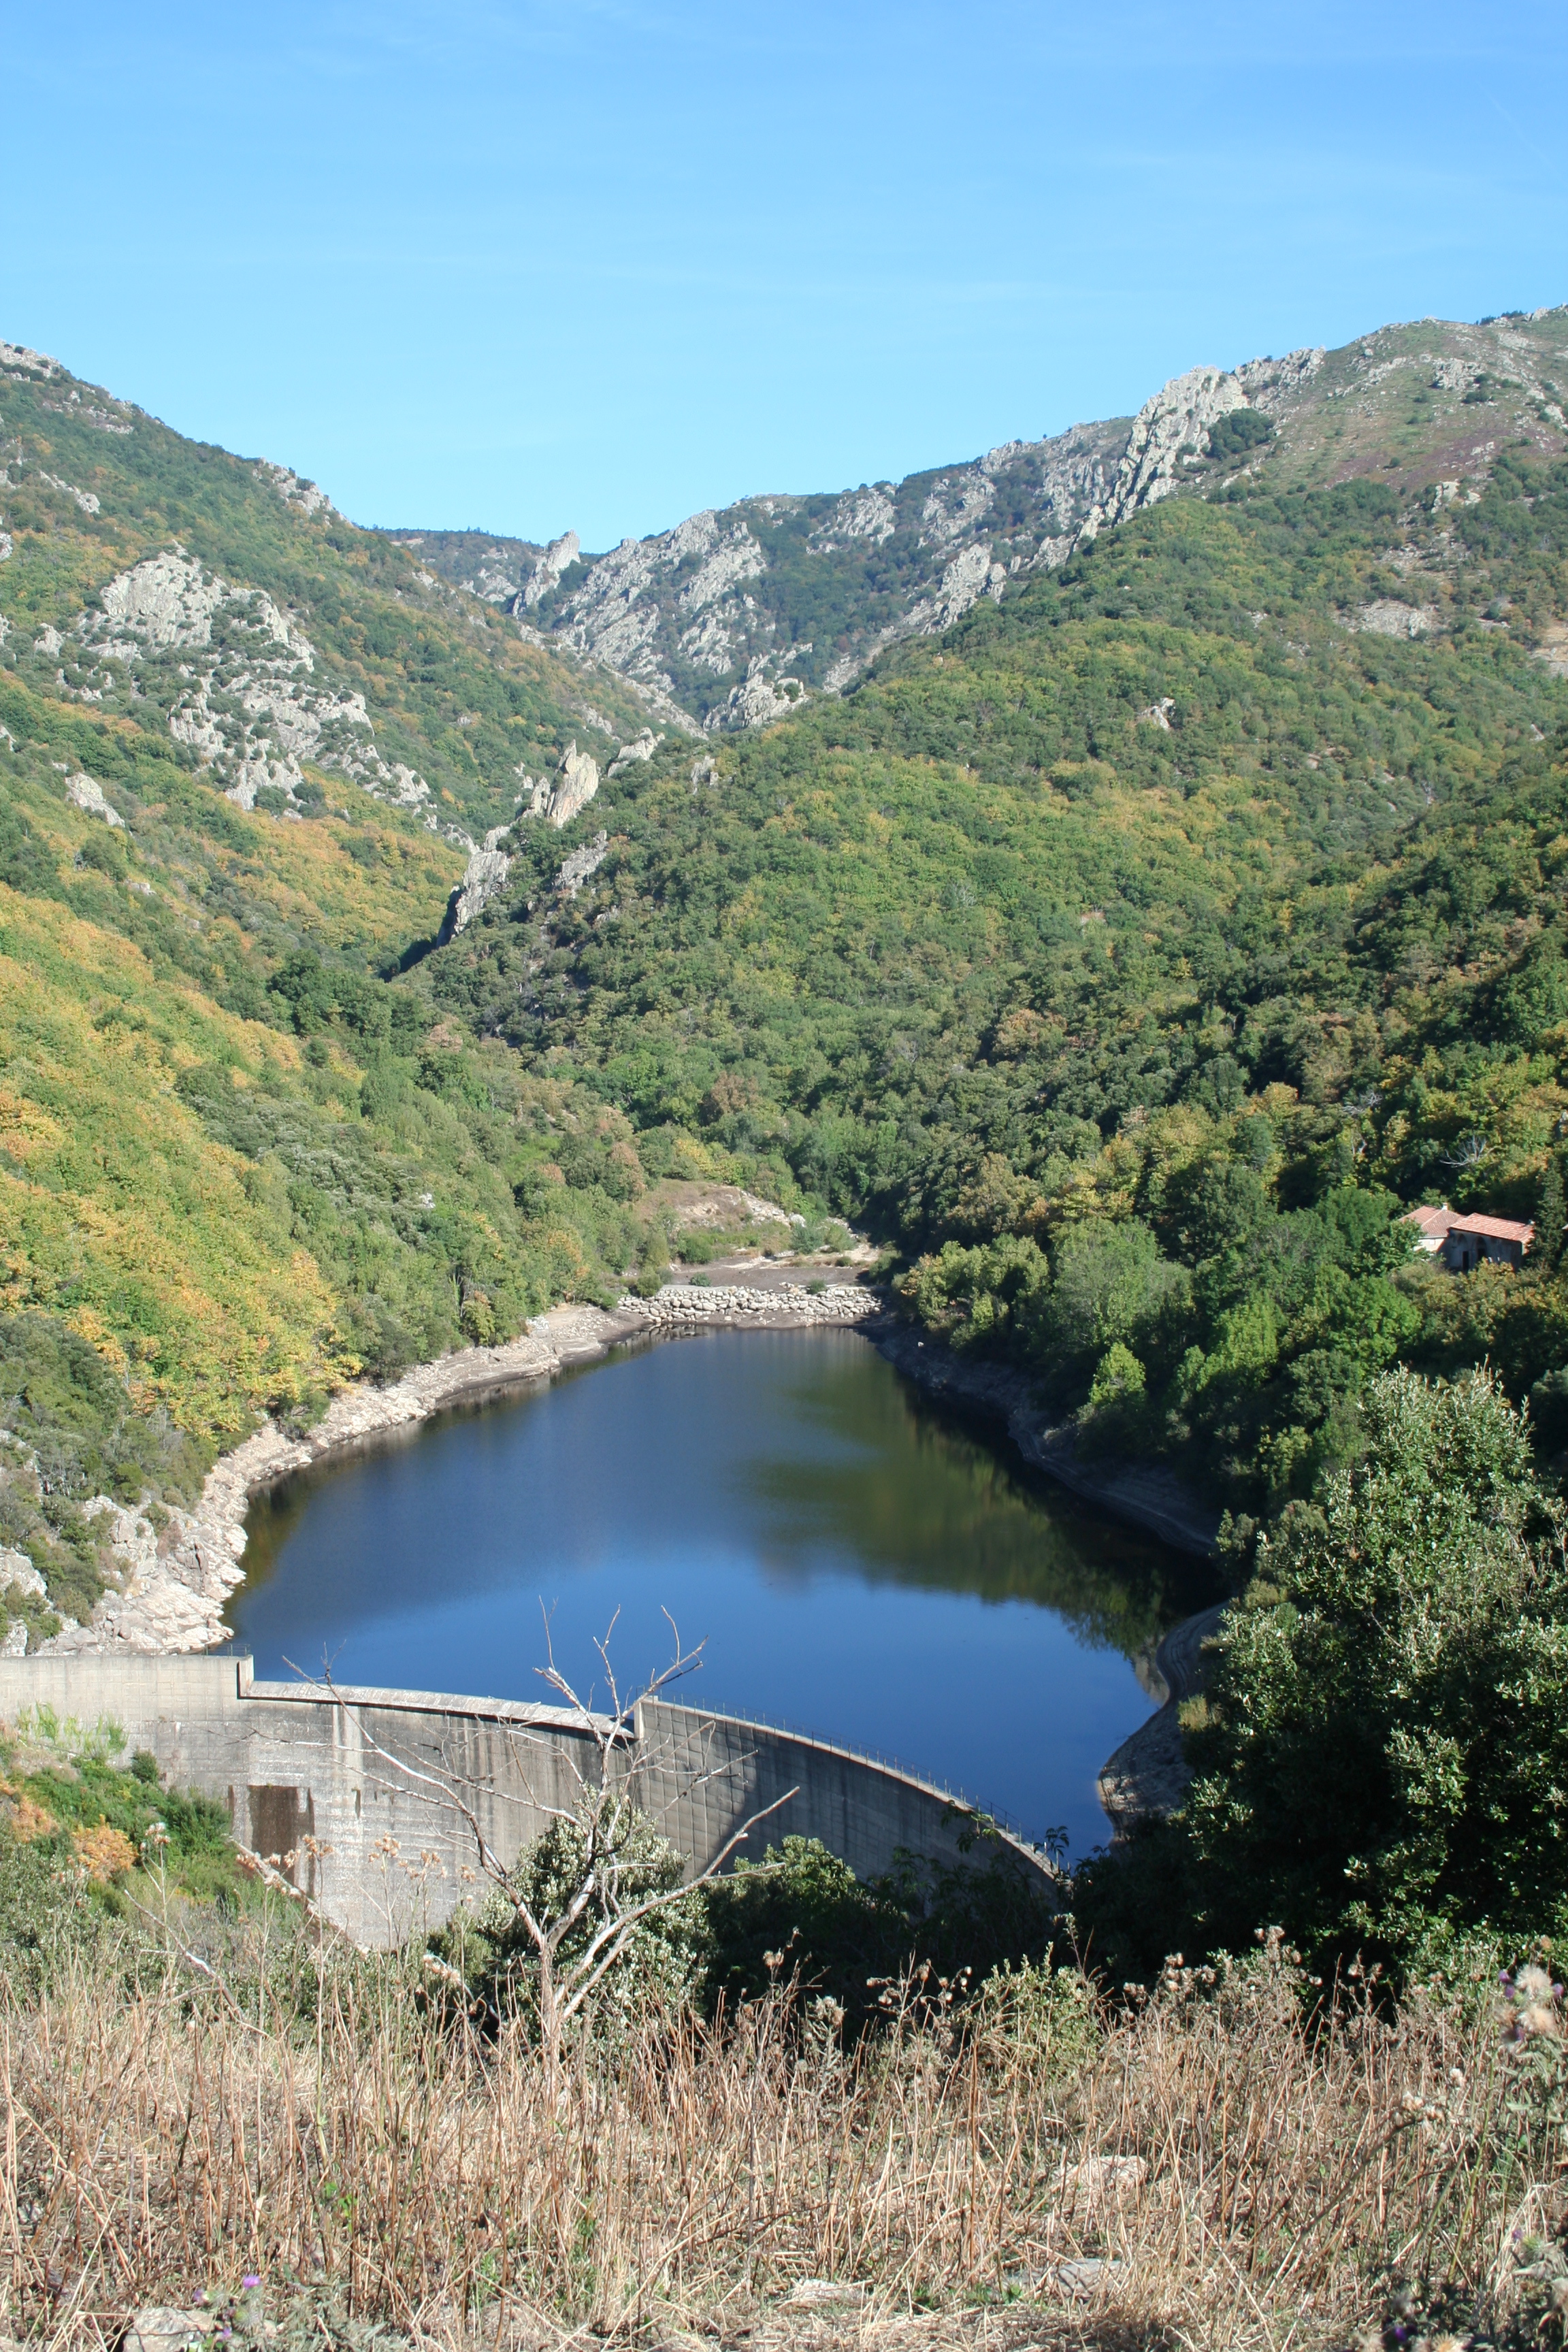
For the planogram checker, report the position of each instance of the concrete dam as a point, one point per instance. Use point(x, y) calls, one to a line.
point(352, 1789)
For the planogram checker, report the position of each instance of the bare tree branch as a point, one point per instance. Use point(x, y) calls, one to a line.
point(604, 1814)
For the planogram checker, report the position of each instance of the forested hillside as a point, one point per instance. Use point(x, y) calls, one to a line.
point(244, 749)
point(1126, 957)
point(1132, 956)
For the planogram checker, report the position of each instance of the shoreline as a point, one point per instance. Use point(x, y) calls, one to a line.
point(176, 1578)
point(1147, 1496)
point(1148, 1773)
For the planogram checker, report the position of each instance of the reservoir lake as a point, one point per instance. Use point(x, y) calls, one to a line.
point(858, 1563)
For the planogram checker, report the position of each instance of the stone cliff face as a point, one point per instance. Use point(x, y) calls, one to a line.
point(1170, 432)
point(484, 878)
point(237, 679)
point(734, 615)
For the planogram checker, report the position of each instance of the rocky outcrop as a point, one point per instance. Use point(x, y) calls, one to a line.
point(716, 617)
point(295, 492)
point(859, 514)
point(576, 783)
point(87, 501)
point(641, 748)
point(559, 798)
point(1148, 1773)
point(237, 677)
point(20, 1583)
point(758, 700)
point(1387, 617)
point(21, 361)
point(172, 1580)
point(484, 878)
point(86, 795)
point(1171, 427)
point(577, 868)
point(557, 558)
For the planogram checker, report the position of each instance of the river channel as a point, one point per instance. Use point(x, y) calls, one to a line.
point(856, 1563)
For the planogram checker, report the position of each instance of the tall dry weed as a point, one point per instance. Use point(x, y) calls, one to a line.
point(1239, 2179)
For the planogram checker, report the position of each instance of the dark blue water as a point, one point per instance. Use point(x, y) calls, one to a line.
point(855, 1565)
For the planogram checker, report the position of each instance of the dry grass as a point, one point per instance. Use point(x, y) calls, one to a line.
point(1257, 2187)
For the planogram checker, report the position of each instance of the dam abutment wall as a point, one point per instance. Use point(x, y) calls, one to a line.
point(357, 1785)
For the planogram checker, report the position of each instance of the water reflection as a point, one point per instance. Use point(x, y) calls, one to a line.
point(858, 1565)
point(922, 1501)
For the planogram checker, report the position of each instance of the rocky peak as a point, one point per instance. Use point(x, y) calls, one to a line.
point(1171, 425)
point(22, 362)
point(558, 557)
point(295, 492)
point(726, 620)
point(575, 783)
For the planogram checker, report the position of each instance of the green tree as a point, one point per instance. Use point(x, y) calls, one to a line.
point(1111, 1284)
point(1387, 1733)
point(1550, 1216)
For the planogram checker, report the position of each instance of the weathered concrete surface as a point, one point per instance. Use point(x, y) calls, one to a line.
point(352, 1789)
point(708, 1772)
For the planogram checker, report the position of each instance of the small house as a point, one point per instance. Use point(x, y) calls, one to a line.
point(1431, 1227)
point(1466, 1242)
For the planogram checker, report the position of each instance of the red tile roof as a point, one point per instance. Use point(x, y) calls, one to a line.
point(1497, 1229)
point(1432, 1221)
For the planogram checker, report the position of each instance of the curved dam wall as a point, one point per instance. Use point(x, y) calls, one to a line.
point(369, 1774)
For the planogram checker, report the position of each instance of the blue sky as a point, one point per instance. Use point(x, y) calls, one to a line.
point(593, 264)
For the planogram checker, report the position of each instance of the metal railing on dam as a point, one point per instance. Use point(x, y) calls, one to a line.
point(354, 1788)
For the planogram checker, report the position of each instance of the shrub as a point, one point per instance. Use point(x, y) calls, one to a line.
point(1386, 1727)
point(660, 1966)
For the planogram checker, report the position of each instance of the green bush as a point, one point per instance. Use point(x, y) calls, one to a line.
point(803, 1913)
point(1385, 1735)
point(661, 1963)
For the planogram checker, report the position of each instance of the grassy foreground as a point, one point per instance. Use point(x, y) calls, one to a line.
point(190, 2107)
point(215, 2103)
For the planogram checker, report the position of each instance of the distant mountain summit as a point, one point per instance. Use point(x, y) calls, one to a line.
point(733, 617)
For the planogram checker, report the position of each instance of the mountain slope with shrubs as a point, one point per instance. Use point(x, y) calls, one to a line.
point(1129, 957)
point(735, 617)
point(244, 749)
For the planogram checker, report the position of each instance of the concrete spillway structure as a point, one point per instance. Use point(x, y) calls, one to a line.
point(354, 1789)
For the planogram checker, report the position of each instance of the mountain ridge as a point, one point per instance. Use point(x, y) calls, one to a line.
point(719, 622)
